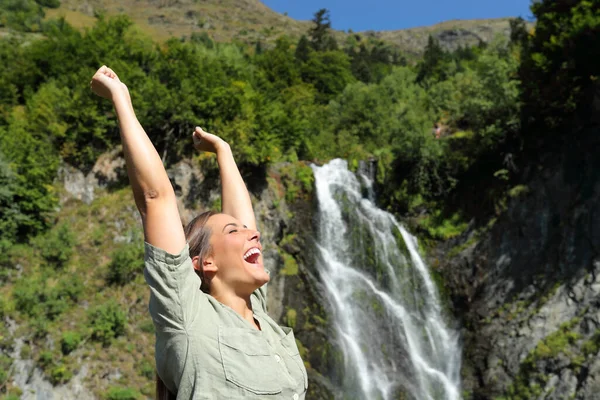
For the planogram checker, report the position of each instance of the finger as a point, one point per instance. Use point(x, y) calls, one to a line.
point(112, 74)
point(204, 133)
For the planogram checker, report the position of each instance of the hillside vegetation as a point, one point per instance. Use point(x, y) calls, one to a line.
point(447, 134)
point(250, 21)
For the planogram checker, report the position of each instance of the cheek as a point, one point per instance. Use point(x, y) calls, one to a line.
point(227, 247)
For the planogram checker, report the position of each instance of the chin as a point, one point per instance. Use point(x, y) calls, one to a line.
point(263, 277)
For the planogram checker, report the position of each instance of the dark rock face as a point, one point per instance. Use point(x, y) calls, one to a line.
point(528, 293)
point(454, 38)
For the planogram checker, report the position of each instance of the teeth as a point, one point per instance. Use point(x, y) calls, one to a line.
point(250, 252)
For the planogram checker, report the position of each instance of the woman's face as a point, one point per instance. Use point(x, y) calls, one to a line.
point(237, 254)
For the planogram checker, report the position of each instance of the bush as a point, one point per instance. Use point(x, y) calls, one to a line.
point(107, 322)
point(146, 369)
point(69, 342)
point(60, 374)
point(5, 363)
point(126, 262)
point(56, 247)
point(116, 393)
point(45, 359)
point(49, 3)
point(36, 299)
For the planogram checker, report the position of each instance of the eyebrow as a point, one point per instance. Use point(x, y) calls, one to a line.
point(232, 224)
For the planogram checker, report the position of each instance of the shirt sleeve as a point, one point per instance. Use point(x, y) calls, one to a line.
point(175, 295)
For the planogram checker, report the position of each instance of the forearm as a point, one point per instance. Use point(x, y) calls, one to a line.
point(235, 198)
point(146, 172)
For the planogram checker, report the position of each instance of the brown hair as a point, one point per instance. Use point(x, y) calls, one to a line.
point(162, 393)
point(197, 235)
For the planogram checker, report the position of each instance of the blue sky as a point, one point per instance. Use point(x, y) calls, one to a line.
point(361, 15)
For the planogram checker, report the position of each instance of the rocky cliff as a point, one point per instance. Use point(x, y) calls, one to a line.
point(528, 290)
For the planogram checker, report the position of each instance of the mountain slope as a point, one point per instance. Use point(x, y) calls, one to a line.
point(251, 21)
point(224, 20)
point(451, 34)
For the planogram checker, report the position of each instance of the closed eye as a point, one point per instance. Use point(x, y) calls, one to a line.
point(233, 231)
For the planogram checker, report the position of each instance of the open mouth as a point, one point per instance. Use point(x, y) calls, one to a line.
point(252, 255)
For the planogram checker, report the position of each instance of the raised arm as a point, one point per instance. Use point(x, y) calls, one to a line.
point(235, 198)
point(152, 190)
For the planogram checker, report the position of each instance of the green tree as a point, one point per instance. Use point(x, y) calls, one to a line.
point(559, 72)
point(518, 31)
point(433, 65)
point(320, 33)
point(329, 72)
point(303, 49)
point(279, 65)
point(10, 216)
point(33, 164)
point(23, 15)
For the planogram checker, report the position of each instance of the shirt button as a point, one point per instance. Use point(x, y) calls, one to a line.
point(277, 358)
point(295, 397)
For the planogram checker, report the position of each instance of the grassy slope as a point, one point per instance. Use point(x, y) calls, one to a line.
point(247, 20)
point(99, 228)
point(251, 20)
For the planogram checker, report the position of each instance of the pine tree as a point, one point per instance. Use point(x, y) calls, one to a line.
point(320, 35)
point(433, 59)
point(303, 49)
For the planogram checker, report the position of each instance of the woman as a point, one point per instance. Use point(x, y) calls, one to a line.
point(218, 342)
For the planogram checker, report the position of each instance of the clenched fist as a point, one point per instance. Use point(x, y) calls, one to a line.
point(105, 83)
point(205, 141)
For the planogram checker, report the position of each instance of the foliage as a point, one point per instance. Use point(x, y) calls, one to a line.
point(56, 247)
point(321, 38)
point(69, 342)
point(45, 298)
point(290, 266)
point(127, 261)
point(434, 64)
point(442, 228)
point(559, 72)
point(23, 15)
point(107, 322)
point(118, 393)
point(11, 216)
point(5, 363)
point(28, 168)
point(297, 180)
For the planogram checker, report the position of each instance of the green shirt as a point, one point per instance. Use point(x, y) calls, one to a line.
point(205, 350)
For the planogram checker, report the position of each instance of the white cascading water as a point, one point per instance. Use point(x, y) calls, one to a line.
point(385, 305)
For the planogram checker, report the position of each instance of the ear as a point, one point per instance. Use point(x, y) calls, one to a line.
point(196, 264)
point(209, 265)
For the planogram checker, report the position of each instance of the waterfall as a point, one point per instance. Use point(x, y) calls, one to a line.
point(384, 304)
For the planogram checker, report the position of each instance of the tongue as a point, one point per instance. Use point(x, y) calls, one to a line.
point(253, 259)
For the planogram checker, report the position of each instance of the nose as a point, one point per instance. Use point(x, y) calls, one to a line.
point(255, 235)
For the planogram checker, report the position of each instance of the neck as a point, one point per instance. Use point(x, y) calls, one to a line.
point(241, 305)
